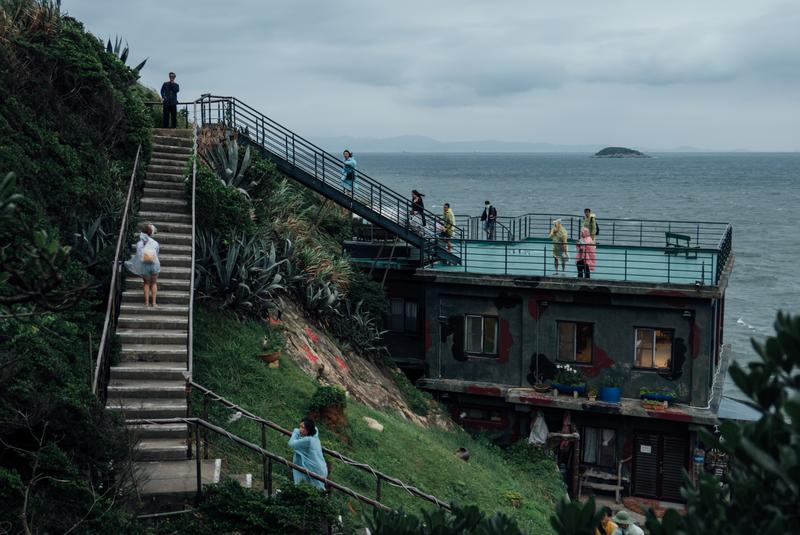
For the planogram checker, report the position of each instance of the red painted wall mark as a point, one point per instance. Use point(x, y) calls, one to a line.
point(601, 362)
point(483, 390)
point(694, 339)
point(506, 341)
point(428, 336)
point(340, 362)
point(274, 321)
point(310, 355)
point(311, 334)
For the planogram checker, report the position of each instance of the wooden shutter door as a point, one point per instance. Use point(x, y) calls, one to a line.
point(645, 465)
point(673, 455)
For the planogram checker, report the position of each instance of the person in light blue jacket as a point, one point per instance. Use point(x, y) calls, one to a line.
point(308, 453)
point(349, 171)
point(145, 263)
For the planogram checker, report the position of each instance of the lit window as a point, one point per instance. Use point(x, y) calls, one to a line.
point(575, 342)
point(599, 446)
point(481, 335)
point(653, 348)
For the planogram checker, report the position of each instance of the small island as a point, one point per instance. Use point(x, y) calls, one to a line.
point(619, 152)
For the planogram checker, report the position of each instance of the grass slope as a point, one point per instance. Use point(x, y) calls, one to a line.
point(226, 361)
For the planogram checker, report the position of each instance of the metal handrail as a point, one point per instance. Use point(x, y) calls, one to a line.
point(380, 476)
point(323, 166)
point(185, 109)
point(114, 292)
point(190, 332)
point(267, 455)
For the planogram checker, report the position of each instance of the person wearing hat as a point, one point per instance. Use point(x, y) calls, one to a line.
point(489, 218)
point(624, 520)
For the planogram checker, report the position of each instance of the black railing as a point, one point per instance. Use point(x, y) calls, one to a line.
point(725, 249)
point(196, 424)
point(182, 119)
point(103, 361)
point(190, 333)
point(264, 424)
point(325, 168)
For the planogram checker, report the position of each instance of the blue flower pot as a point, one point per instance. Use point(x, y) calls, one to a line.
point(610, 394)
point(659, 397)
point(569, 389)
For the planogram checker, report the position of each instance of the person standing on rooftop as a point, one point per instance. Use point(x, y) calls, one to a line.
point(559, 236)
point(489, 218)
point(449, 228)
point(590, 222)
point(169, 97)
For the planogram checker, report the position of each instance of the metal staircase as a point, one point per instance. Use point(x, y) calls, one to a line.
point(321, 171)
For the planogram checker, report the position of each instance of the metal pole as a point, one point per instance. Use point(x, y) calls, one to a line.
point(505, 268)
point(626, 265)
point(205, 431)
point(198, 463)
point(264, 467)
point(378, 488)
point(269, 477)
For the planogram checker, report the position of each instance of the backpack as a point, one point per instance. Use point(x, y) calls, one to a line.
point(149, 252)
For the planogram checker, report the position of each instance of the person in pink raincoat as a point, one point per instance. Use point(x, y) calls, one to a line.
point(586, 259)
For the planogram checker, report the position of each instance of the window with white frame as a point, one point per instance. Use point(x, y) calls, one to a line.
point(575, 342)
point(599, 446)
point(402, 315)
point(652, 347)
point(481, 335)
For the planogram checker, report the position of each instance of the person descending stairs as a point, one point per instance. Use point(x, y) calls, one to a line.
point(148, 381)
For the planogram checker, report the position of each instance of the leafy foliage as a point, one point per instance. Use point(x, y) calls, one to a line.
point(122, 53)
point(467, 520)
point(225, 160)
point(576, 518)
point(219, 208)
point(327, 396)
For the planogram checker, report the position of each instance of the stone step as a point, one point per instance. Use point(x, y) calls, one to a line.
point(180, 164)
point(181, 133)
point(177, 238)
point(140, 408)
point(152, 336)
point(154, 388)
point(162, 169)
point(157, 193)
point(141, 370)
point(169, 478)
point(164, 185)
point(166, 177)
point(182, 157)
point(160, 217)
point(245, 480)
point(164, 298)
point(161, 449)
point(155, 320)
point(136, 352)
point(175, 272)
point(178, 150)
point(165, 205)
point(164, 284)
point(160, 141)
point(175, 260)
point(144, 431)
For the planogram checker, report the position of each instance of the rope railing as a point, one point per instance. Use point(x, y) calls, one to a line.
point(379, 476)
point(103, 361)
point(197, 423)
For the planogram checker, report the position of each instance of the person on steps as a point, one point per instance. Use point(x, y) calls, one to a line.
point(146, 264)
point(449, 227)
point(349, 172)
point(590, 221)
point(559, 236)
point(489, 218)
point(586, 259)
point(418, 205)
point(169, 97)
point(308, 453)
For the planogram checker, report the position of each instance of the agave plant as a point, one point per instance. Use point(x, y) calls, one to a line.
point(90, 241)
point(359, 328)
point(242, 275)
point(321, 298)
point(225, 160)
point(122, 53)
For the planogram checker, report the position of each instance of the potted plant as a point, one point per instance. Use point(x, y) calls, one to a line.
point(613, 379)
point(592, 393)
point(569, 380)
point(659, 393)
point(271, 349)
point(654, 405)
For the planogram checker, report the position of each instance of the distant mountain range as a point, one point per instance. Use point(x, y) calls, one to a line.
point(427, 144)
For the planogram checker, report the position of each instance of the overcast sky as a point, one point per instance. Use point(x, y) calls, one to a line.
point(712, 74)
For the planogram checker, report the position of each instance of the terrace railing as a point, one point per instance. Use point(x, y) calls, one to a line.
point(103, 361)
point(322, 172)
point(209, 396)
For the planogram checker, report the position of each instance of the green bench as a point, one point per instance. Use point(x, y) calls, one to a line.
point(680, 243)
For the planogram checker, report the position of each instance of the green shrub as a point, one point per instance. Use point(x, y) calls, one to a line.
point(221, 209)
point(327, 396)
point(418, 401)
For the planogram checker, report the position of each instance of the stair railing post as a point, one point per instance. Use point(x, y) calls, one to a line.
point(188, 391)
point(198, 463)
point(269, 477)
point(626, 264)
point(293, 153)
point(205, 431)
point(378, 488)
point(264, 467)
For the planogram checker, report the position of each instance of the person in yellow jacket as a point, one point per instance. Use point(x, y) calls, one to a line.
point(607, 526)
point(449, 226)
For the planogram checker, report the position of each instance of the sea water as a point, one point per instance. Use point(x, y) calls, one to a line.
point(758, 193)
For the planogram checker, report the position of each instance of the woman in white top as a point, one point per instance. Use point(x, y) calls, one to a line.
point(146, 264)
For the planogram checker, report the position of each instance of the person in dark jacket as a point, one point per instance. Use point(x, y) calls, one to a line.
point(489, 218)
point(169, 96)
point(418, 205)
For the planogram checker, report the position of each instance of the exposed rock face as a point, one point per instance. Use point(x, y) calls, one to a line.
point(320, 357)
point(619, 152)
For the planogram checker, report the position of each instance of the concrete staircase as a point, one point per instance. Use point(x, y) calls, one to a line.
point(148, 382)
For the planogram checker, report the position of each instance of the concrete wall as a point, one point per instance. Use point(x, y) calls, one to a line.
point(528, 322)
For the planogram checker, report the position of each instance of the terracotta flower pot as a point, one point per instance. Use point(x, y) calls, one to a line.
point(269, 358)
